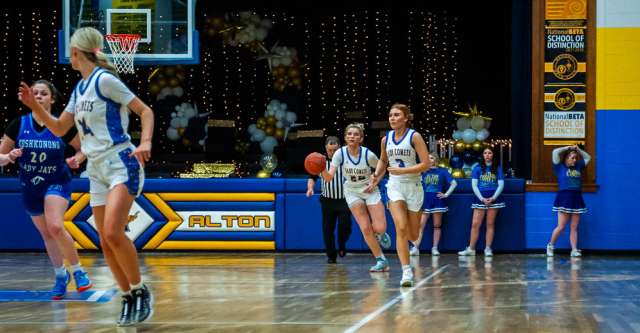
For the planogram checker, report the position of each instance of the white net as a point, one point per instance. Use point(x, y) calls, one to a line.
point(123, 48)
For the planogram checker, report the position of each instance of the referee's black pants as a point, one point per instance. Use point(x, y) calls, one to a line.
point(332, 210)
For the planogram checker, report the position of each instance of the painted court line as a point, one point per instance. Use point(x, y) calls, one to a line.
point(392, 302)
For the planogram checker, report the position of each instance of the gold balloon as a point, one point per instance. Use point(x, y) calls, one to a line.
point(293, 72)
point(170, 71)
point(261, 123)
point(154, 89)
point(458, 147)
point(271, 120)
point(443, 163)
point(186, 142)
point(476, 146)
point(162, 83)
point(269, 130)
point(279, 133)
point(174, 82)
point(181, 130)
point(457, 173)
point(263, 174)
point(296, 82)
point(467, 146)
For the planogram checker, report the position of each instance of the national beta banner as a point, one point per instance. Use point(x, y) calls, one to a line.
point(562, 125)
point(565, 69)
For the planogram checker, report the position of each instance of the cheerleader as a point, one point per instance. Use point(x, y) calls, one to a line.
point(487, 182)
point(568, 163)
point(434, 182)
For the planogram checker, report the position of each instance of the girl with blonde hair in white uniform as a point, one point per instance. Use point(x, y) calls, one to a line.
point(405, 155)
point(99, 106)
point(362, 197)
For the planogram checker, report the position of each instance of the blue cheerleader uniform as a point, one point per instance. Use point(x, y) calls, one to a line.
point(434, 181)
point(569, 197)
point(487, 185)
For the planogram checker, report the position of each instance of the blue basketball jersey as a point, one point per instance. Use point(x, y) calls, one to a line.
point(435, 180)
point(42, 162)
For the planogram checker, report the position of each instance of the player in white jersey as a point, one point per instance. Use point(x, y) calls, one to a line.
point(405, 155)
point(363, 199)
point(100, 106)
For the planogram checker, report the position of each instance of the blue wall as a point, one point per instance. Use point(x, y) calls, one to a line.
point(613, 220)
point(298, 218)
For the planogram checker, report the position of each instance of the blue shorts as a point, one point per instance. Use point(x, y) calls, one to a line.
point(33, 199)
point(498, 203)
point(433, 204)
point(569, 201)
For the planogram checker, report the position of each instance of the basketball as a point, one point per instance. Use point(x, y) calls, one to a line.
point(314, 163)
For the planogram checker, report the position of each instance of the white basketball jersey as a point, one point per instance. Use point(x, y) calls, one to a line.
point(99, 106)
point(355, 171)
point(401, 154)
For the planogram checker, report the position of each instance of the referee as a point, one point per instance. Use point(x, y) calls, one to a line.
point(333, 207)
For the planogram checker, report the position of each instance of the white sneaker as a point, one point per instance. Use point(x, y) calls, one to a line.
point(407, 278)
point(415, 251)
point(576, 253)
point(435, 252)
point(467, 252)
point(549, 250)
point(488, 252)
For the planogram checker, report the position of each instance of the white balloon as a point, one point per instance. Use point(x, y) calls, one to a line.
point(178, 91)
point(258, 135)
point(469, 135)
point(477, 123)
point(463, 123)
point(173, 114)
point(276, 62)
point(291, 117)
point(183, 122)
point(457, 135)
point(180, 114)
point(268, 144)
point(172, 134)
point(190, 112)
point(280, 114)
point(175, 122)
point(482, 134)
point(166, 91)
point(261, 34)
point(279, 124)
point(270, 112)
point(286, 61)
point(252, 129)
point(266, 23)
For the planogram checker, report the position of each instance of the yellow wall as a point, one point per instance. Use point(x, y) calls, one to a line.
point(618, 55)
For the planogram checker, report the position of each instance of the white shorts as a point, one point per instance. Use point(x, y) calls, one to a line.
point(353, 196)
point(112, 169)
point(411, 193)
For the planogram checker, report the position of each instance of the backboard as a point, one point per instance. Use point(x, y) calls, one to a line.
point(167, 27)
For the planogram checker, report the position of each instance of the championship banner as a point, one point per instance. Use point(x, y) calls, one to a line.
point(565, 71)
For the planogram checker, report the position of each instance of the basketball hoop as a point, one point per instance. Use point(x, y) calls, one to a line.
point(123, 48)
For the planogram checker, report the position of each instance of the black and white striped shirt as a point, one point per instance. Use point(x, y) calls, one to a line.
point(333, 189)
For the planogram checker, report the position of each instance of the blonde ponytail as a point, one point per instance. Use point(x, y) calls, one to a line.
point(91, 42)
point(104, 62)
